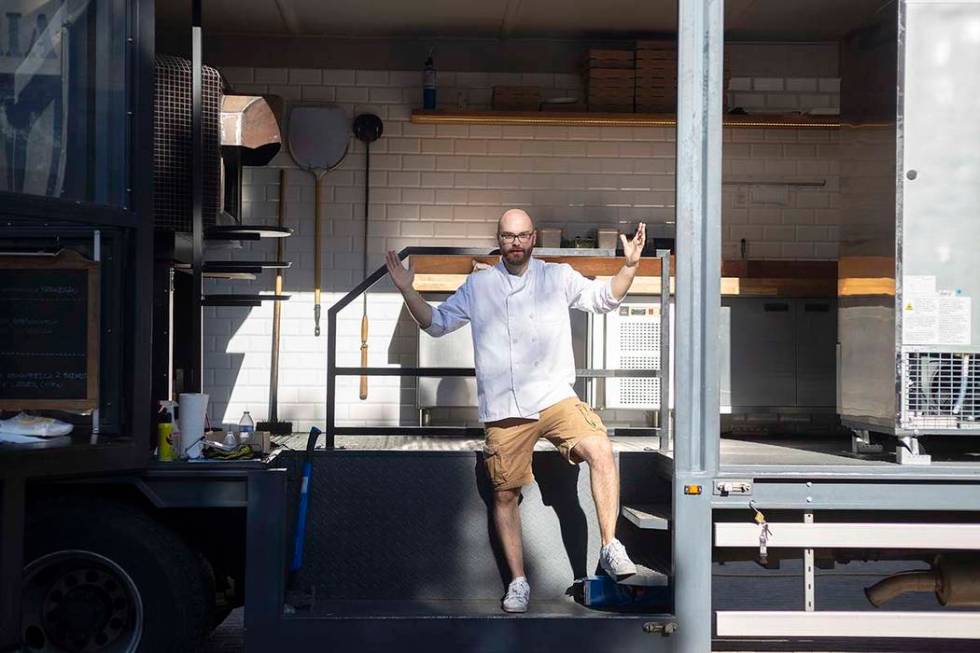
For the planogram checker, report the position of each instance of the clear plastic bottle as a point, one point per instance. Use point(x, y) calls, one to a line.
point(246, 427)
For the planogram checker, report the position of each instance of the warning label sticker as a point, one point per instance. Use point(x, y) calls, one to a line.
point(920, 320)
point(934, 317)
point(954, 320)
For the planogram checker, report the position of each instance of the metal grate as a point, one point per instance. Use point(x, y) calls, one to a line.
point(633, 342)
point(940, 390)
point(172, 143)
point(639, 392)
point(641, 336)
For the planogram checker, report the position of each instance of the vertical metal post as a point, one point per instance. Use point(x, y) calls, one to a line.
point(330, 427)
point(809, 573)
point(96, 256)
point(276, 305)
point(265, 558)
point(698, 275)
point(666, 433)
point(140, 186)
point(169, 394)
point(11, 561)
point(197, 205)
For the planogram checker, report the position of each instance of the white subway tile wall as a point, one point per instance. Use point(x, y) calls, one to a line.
point(447, 185)
point(774, 94)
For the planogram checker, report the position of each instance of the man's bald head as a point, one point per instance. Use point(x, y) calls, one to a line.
point(515, 221)
point(516, 248)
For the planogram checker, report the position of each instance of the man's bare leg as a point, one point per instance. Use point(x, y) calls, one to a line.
point(507, 517)
point(605, 483)
point(597, 452)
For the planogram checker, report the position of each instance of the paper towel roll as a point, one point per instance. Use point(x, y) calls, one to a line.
point(193, 408)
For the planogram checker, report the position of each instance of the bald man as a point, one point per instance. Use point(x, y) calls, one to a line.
point(525, 371)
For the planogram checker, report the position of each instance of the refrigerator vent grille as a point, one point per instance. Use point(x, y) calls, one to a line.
point(940, 390)
point(633, 343)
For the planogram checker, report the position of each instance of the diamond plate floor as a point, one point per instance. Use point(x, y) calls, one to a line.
point(229, 637)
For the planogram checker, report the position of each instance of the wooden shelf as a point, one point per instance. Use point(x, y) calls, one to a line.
point(446, 273)
point(569, 119)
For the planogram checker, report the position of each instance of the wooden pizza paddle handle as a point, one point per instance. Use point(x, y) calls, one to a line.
point(364, 354)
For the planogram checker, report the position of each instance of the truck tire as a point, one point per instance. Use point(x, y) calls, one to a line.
point(220, 610)
point(103, 577)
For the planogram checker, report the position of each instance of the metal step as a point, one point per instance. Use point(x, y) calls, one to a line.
point(240, 300)
point(247, 232)
point(245, 266)
point(648, 516)
point(234, 270)
point(646, 577)
point(238, 267)
point(230, 276)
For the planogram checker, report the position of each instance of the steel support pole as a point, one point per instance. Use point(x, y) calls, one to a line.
point(12, 518)
point(698, 278)
point(197, 204)
point(266, 551)
point(809, 572)
point(666, 433)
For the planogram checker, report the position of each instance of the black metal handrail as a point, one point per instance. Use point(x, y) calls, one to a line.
point(469, 371)
point(333, 371)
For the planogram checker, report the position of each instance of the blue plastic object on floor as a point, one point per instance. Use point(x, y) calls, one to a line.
point(604, 592)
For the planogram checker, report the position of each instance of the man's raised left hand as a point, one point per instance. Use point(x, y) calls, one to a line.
point(634, 247)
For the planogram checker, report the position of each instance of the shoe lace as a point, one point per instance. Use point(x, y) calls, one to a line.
point(616, 553)
point(518, 590)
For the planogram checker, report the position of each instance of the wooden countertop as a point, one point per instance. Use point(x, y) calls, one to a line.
point(741, 277)
point(866, 275)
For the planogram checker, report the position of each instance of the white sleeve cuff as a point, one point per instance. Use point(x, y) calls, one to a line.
point(606, 300)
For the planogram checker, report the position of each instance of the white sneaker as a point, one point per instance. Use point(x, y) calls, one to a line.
point(615, 562)
point(518, 594)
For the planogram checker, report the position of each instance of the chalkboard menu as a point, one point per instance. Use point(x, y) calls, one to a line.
point(49, 332)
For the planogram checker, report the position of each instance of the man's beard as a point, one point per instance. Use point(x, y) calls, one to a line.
point(518, 258)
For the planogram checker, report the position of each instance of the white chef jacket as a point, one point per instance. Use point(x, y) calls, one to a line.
point(522, 336)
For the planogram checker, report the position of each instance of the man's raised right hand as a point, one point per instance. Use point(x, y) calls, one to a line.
point(402, 278)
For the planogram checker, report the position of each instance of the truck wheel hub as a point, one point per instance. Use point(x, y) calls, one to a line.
point(80, 602)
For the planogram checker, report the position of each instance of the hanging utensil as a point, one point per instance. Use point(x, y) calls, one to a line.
point(318, 139)
point(273, 425)
point(367, 129)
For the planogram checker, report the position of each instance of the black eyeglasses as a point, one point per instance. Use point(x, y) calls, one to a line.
point(524, 237)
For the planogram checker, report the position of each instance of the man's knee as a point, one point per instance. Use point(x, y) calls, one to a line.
point(594, 450)
point(505, 498)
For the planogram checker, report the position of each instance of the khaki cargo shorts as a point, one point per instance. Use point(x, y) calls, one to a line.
point(510, 442)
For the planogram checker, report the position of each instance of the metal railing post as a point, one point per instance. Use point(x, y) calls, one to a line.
point(698, 275)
